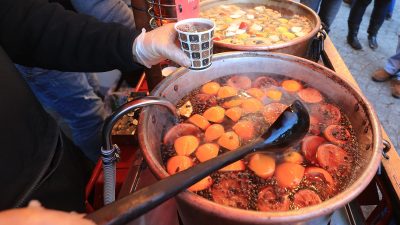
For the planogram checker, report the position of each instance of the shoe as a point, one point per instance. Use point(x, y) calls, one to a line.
point(395, 87)
point(354, 42)
point(373, 43)
point(381, 75)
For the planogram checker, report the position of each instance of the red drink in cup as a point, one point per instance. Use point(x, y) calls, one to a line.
point(195, 36)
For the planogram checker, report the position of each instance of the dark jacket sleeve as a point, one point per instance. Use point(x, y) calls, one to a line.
point(41, 34)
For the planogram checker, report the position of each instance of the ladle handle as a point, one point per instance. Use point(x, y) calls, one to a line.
point(142, 201)
point(290, 127)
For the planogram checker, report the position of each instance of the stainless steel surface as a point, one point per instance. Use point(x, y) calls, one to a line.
point(129, 107)
point(197, 210)
point(161, 12)
point(109, 152)
point(297, 46)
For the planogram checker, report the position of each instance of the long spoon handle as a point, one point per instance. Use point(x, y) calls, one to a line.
point(290, 127)
point(142, 201)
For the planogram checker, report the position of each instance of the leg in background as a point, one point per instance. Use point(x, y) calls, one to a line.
point(376, 21)
point(355, 17)
point(313, 4)
point(70, 95)
point(389, 13)
point(328, 11)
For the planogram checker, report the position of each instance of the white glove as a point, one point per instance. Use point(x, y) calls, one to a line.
point(157, 45)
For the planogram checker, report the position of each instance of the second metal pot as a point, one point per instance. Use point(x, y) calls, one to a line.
point(298, 46)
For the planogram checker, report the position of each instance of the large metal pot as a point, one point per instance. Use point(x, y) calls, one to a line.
point(298, 46)
point(195, 210)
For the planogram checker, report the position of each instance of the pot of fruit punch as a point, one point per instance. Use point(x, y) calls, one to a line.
point(322, 173)
point(240, 193)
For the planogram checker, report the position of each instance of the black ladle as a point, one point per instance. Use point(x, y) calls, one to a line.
point(290, 127)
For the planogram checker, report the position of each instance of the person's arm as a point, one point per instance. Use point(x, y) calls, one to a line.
point(36, 33)
point(116, 11)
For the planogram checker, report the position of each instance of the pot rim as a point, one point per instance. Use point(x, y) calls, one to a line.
point(307, 213)
point(273, 47)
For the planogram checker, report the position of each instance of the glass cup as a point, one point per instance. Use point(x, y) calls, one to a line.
point(196, 40)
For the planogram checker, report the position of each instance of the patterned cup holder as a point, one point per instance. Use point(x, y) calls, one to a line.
point(197, 46)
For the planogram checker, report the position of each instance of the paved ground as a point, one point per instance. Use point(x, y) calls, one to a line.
point(363, 63)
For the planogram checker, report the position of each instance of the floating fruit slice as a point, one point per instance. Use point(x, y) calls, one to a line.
point(269, 201)
point(210, 88)
point(226, 91)
point(231, 191)
point(243, 26)
point(293, 157)
point(319, 172)
point(199, 121)
point(337, 134)
point(264, 82)
point(327, 113)
point(245, 129)
point(289, 175)
point(239, 82)
point(204, 100)
point(273, 94)
point(186, 145)
point(262, 165)
point(179, 130)
point(291, 85)
point(234, 113)
point(306, 197)
point(251, 105)
point(334, 159)
point(207, 151)
point(236, 166)
point(215, 114)
point(315, 127)
point(272, 111)
point(309, 147)
point(229, 140)
point(213, 132)
point(256, 93)
point(233, 103)
point(202, 184)
point(310, 95)
point(178, 163)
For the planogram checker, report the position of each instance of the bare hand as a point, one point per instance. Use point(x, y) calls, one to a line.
point(35, 214)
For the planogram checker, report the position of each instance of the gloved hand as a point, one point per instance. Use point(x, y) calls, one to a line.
point(35, 214)
point(153, 47)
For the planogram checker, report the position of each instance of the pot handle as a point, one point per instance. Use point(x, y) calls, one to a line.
point(110, 153)
point(316, 46)
point(386, 147)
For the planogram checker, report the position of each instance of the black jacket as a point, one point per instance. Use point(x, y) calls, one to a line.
point(36, 33)
point(36, 161)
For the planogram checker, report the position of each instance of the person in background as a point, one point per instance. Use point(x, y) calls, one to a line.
point(326, 9)
point(73, 97)
point(389, 13)
point(355, 17)
point(391, 72)
point(38, 161)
